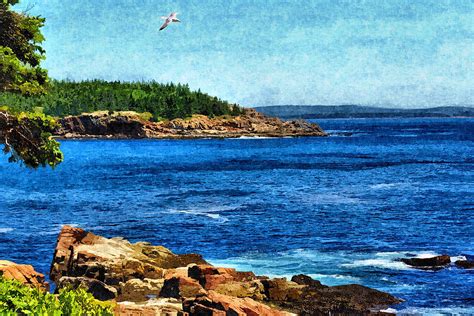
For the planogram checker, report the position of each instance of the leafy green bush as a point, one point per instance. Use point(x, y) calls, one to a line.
point(16, 298)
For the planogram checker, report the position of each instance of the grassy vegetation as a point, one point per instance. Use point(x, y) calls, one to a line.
point(158, 101)
point(16, 298)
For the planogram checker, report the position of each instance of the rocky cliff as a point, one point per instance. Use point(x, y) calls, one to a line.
point(131, 125)
point(151, 280)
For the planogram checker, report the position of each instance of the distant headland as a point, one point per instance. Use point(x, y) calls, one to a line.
point(358, 111)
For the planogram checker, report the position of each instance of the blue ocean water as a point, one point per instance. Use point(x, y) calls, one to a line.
point(341, 209)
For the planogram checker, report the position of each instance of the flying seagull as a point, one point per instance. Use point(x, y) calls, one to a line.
point(169, 19)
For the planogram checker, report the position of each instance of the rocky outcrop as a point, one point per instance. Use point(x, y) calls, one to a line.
point(131, 125)
point(82, 258)
point(431, 263)
point(23, 273)
point(151, 280)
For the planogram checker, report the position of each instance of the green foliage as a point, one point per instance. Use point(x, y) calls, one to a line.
point(20, 52)
point(28, 138)
point(16, 298)
point(162, 101)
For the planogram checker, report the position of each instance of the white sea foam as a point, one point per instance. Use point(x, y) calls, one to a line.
point(428, 254)
point(384, 263)
point(384, 185)
point(6, 230)
point(56, 229)
point(337, 277)
point(253, 137)
point(390, 260)
point(389, 311)
point(211, 213)
point(456, 258)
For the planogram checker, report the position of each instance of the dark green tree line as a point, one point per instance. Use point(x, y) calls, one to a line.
point(167, 101)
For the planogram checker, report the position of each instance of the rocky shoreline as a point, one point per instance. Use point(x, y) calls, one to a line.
point(142, 279)
point(151, 280)
point(131, 125)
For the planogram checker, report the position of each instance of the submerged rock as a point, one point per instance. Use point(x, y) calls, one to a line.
point(24, 273)
point(151, 280)
point(431, 263)
point(465, 264)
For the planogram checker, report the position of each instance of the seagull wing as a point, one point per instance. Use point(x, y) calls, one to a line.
point(164, 25)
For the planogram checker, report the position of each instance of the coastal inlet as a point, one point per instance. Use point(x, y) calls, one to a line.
point(342, 209)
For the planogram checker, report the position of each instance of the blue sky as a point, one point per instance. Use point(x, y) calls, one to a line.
point(409, 53)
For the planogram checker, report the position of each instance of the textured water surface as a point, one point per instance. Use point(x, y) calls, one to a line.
point(341, 209)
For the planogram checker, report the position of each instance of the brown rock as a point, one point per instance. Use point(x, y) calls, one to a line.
point(302, 279)
point(98, 289)
point(280, 290)
point(26, 274)
point(252, 289)
point(465, 264)
point(218, 304)
point(136, 290)
point(428, 263)
point(311, 298)
point(211, 277)
point(181, 287)
point(154, 307)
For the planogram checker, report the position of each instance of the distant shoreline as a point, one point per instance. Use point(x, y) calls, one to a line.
point(311, 112)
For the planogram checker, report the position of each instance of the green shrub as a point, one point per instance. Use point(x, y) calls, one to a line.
point(19, 299)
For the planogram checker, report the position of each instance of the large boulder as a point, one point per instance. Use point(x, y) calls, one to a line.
point(430, 263)
point(24, 273)
point(81, 254)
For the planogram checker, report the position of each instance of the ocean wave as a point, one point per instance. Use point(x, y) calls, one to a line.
point(6, 230)
point(391, 260)
point(323, 277)
point(384, 263)
point(56, 229)
point(212, 213)
point(384, 185)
